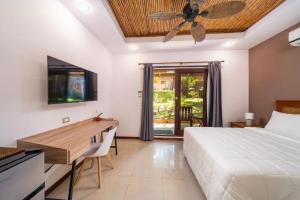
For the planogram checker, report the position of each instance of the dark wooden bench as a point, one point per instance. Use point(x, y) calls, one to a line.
point(186, 115)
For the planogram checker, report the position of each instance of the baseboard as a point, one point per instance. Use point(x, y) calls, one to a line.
point(162, 137)
point(128, 137)
point(62, 179)
point(171, 138)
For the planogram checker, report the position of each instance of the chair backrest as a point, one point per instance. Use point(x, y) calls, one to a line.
point(105, 146)
point(186, 113)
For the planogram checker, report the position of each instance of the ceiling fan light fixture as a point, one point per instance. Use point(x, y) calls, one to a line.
point(133, 47)
point(84, 6)
point(228, 44)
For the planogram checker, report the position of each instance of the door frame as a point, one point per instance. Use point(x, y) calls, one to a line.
point(178, 73)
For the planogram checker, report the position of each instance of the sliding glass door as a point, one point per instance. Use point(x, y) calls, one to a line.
point(191, 99)
point(179, 100)
point(164, 102)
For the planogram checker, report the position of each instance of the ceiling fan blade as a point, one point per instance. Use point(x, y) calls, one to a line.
point(197, 1)
point(165, 15)
point(173, 32)
point(225, 9)
point(198, 32)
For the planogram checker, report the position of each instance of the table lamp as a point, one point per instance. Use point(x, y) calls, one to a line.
point(249, 119)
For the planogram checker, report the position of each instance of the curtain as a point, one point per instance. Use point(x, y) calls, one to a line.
point(147, 132)
point(214, 118)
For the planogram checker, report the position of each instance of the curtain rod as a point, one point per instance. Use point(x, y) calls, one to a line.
point(180, 67)
point(181, 63)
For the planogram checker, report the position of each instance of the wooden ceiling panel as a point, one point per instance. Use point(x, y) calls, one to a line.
point(132, 16)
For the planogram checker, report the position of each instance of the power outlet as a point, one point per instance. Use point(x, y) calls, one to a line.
point(140, 93)
point(65, 120)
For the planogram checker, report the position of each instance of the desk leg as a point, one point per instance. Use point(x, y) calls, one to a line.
point(116, 144)
point(73, 171)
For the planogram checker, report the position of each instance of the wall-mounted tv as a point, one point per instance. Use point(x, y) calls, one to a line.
point(68, 83)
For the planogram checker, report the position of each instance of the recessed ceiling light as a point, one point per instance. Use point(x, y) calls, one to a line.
point(133, 47)
point(84, 6)
point(228, 44)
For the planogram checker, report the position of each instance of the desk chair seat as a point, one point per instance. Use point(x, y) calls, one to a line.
point(94, 147)
point(97, 151)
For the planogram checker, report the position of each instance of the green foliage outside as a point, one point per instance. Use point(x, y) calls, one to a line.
point(164, 104)
point(191, 95)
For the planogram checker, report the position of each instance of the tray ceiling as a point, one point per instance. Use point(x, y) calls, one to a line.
point(132, 16)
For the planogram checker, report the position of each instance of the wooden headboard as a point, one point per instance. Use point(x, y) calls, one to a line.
point(291, 107)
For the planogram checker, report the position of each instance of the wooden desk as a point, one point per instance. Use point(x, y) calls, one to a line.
point(65, 145)
point(6, 152)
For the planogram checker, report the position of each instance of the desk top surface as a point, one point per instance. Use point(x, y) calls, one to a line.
point(71, 141)
point(6, 152)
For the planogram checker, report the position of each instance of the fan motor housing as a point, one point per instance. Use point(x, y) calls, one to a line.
point(190, 12)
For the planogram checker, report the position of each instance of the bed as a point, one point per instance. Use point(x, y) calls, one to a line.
point(245, 164)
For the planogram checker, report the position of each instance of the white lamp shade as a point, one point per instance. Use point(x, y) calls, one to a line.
point(249, 116)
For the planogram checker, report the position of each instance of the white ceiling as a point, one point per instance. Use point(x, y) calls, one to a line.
point(101, 22)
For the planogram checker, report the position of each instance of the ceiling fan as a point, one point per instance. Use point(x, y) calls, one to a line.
point(192, 9)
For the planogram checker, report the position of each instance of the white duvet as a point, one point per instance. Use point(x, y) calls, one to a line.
point(243, 164)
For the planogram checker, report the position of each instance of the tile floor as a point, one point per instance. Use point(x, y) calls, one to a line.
point(143, 171)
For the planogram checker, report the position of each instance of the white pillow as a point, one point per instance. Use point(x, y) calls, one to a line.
point(287, 125)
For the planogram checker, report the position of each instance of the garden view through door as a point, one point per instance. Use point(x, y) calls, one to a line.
point(179, 100)
point(164, 102)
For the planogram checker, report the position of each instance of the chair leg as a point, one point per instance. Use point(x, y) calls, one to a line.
point(110, 161)
point(101, 137)
point(92, 164)
point(99, 172)
point(80, 172)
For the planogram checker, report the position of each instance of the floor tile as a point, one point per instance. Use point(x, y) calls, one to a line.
point(114, 188)
point(179, 190)
point(142, 170)
point(148, 170)
point(144, 188)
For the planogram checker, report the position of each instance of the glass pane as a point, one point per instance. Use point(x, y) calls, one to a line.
point(191, 99)
point(164, 102)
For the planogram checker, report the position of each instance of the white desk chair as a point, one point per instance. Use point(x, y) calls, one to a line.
point(99, 150)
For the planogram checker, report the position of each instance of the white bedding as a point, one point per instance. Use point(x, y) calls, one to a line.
point(243, 164)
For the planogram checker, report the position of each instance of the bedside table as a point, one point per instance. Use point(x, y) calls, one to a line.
point(242, 125)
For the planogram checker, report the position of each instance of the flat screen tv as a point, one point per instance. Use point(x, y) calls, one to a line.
point(68, 83)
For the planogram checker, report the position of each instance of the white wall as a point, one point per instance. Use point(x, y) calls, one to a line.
point(30, 30)
point(127, 80)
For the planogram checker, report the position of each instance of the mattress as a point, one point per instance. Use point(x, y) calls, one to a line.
point(243, 164)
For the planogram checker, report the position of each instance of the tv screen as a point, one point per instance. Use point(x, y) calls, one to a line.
point(68, 83)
